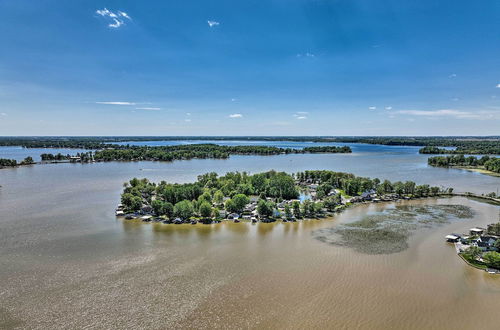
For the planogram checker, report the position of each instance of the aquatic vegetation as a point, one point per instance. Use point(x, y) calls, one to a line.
point(388, 231)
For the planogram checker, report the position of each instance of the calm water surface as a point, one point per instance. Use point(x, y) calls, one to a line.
point(66, 262)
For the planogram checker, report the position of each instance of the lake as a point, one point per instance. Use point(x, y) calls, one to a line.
point(67, 262)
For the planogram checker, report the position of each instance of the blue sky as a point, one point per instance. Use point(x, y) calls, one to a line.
point(282, 67)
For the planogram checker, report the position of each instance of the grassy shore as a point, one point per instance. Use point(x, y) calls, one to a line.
point(472, 262)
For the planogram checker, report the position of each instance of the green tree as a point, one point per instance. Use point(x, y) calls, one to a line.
point(27, 161)
point(167, 209)
point(492, 259)
point(205, 209)
point(318, 207)
point(473, 252)
point(131, 202)
point(230, 206)
point(332, 201)
point(218, 197)
point(296, 209)
point(288, 211)
point(157, 206)
point(497, 244)
point(240, 201)
point(184, 209)
point(264, 208)
point(205, 197)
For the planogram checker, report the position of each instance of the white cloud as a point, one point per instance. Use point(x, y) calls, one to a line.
point(306, 55)
point(498, 86)
point(150, 109)
point(453, 75)
point(187, 120)
point(188, 113)
point(372, 108)
point(233, 99)
point(212, 23)
point(455, 99)
point(117, 18)
point(116, 103)
point(450, 113)
point(388, 108)
point(236, 115)
point(116, 23)
point(300, 115)
point(124, 14)
point(3, 114)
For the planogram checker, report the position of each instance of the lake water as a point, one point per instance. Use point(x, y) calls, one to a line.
point(67, 262)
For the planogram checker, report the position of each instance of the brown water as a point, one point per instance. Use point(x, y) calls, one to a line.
point(66, 262)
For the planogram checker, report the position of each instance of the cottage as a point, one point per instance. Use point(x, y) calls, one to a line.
point(453, 238)
point(486, 243)
point(476, 231)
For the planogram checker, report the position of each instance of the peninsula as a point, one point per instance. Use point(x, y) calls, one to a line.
point(265, 197)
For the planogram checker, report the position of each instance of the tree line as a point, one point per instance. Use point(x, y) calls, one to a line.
point(488, 163)
point(232, 192)
point(190, 151)
point(4, 162)
point(472, 149)
point(462, 144)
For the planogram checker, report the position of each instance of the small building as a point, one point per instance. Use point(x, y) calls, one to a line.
point(119, 213)
point(476, 231)
point(234, 216)
point(487, 243)
point(453, 238)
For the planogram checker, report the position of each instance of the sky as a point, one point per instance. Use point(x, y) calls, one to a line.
point(266, 67)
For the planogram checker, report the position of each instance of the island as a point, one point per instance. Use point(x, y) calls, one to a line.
point(264, 197)
point(170, 153)
point(431, 144)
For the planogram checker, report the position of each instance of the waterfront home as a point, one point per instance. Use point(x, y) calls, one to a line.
point(119, 213)
point(476, 231)
point(453, 238)
point(486, 243)
point(234, 216)
point(366, 196)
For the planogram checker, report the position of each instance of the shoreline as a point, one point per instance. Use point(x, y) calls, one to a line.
point(325, 216)
point(477, 170)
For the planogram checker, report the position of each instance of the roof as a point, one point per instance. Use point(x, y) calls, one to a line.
point(452, 237)
point(476, 229)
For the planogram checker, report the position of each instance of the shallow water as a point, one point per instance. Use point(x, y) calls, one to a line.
point(388, 231)
point(67, 262)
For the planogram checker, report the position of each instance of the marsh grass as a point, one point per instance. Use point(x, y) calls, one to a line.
point(388, 231)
